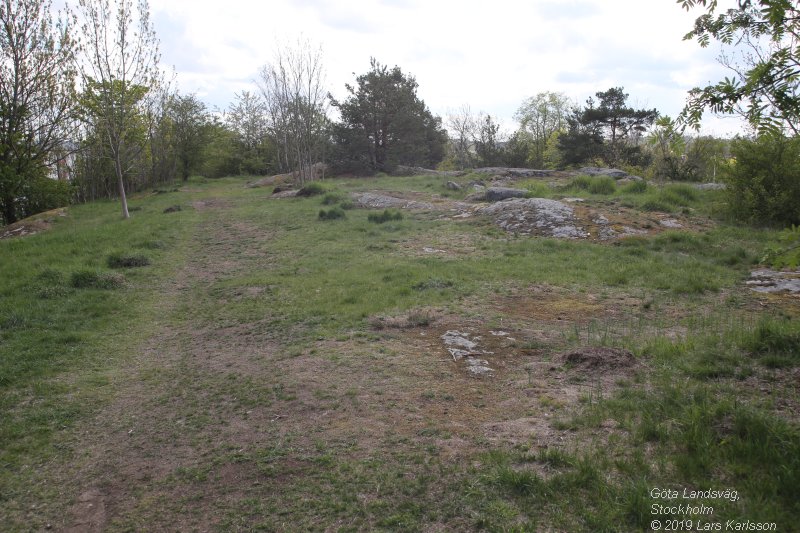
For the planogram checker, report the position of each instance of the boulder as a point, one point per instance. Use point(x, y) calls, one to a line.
point(535, 215)
point(710, 186)
point(497, 194)
point(453, 186)
point(381, 201)
point(515, 172)
point(599, 171)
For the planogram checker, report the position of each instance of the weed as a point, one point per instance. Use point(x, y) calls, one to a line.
point(657, 205)
point(335, 213)
point(386, 216)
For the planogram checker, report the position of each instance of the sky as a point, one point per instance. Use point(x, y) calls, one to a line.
point(490, 55)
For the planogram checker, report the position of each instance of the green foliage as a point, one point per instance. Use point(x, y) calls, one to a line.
point(543, 117)
point(764, 180)
point(386, 216)
point(385, 124)
point(334, 213)
point(122, 260)
point(766, 86)
point(36, 193)
point(603, 131)
point(786, 252)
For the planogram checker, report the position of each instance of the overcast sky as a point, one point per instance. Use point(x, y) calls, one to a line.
point(488, 54)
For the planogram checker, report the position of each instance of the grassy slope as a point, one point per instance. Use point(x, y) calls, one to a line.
point(271, 272)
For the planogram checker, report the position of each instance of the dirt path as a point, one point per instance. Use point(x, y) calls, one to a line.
point(220, 426)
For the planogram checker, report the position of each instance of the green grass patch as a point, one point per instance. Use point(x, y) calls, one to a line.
point(387, 215)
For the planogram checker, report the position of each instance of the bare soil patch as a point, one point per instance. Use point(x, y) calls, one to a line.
point(32, 225)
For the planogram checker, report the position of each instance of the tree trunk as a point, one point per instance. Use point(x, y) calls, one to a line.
point(121, 185)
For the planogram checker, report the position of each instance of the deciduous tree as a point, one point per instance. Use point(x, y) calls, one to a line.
point(765, 88)
point(542, 116)
point(37, 97)
point(120, 69)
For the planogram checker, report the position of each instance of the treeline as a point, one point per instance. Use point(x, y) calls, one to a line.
point(83, 99)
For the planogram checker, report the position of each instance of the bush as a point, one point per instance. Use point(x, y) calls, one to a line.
point(331, 214)
point(127, 260)
point(764, 180)
point(91, 279)
point(386, 216)
point(314, 188)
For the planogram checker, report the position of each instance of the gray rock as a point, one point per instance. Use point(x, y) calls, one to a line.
point(598, 171)
point(710, 186)
point(515, 172)
point(381, 201)
point(453, 186)
point(497, 194)
point(535, 215)
point(774, 281)
point(629, 179)
point(403, 170)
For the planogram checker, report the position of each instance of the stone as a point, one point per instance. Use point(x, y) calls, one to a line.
point(381, 201)
point(768, 281)
point(535, 215)
point(453, 186)
point(599, 171)
point(496, 194)
point(710, 186)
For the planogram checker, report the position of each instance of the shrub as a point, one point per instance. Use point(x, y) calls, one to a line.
point(91, 279)
point(127, 260)
point(685, 192)
point(386, 216)
point(764, 180)
point(331, 214)
point(314, 188)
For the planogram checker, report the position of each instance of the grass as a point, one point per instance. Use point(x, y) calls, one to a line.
point(356, 427)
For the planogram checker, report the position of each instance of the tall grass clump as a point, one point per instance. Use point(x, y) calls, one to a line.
point(386, 216)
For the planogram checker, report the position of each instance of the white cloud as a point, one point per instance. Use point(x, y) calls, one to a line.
point(491, 55)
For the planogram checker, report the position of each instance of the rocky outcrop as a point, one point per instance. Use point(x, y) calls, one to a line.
point(372, 200)
point(514, 172)
point(599, 171)
point(538, 216)
point(403, 170)
point(497, 194)
point(766, 280)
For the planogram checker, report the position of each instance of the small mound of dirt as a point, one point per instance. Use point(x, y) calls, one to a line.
point(591, 358)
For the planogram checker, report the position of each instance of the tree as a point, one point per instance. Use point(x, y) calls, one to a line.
point(190, 130)
point(486, 144)
point(119, 70)
point(247, 118)
point(292, 87)
point(385, 124)
point(765, 90)
point(606, 130)
point(542, 116)
point(37, 99)
point(462, 126)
